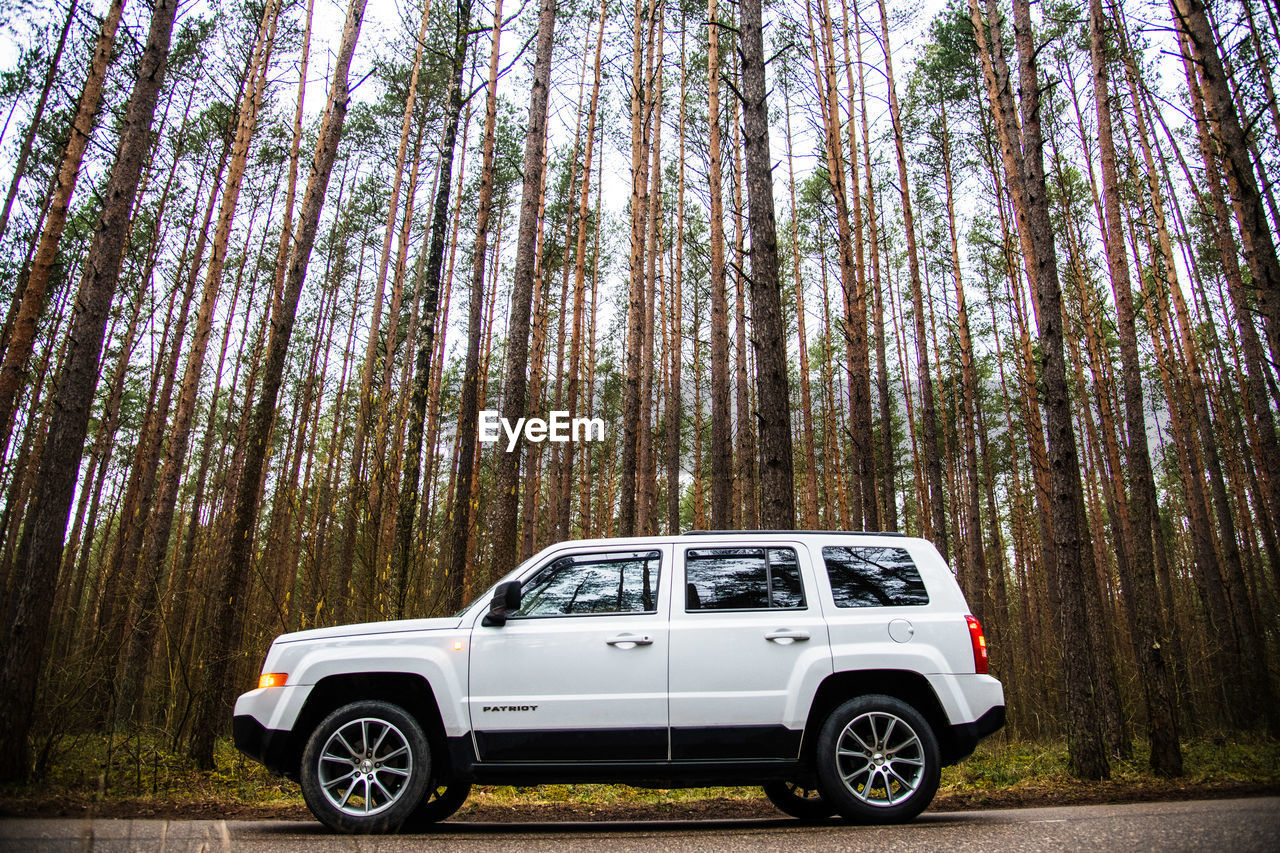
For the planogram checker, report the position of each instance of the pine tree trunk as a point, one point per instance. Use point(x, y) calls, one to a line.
point(675, 394)
point(152, 558)
point(573, 386)
point(1136, 573)
point(429, 321)
point(22, 337)
point(40, 552)
point(746, 504)
point(937, 528)
point(639, 209)
point(777, 481)
point(809, 518)
point(232, 573)
point(851, 277)
point(721, 416)
point(1260, 251)
point(1072, 562)
point(37, 112)
point(507, 477)
point(456, 575)
point(646, 457)
point(975, 564)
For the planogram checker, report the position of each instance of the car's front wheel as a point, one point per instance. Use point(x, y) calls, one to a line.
point(800, 800)
point(878, 760)
point(441, 800)
point(365, 768)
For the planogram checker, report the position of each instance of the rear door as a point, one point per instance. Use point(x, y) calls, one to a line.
point(579, 672)
point(748, 648)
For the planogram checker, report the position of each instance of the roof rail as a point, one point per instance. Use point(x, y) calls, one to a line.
point(892, 533)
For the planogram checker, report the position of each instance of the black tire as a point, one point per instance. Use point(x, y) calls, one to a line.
point(365, 768)
point(442, 799)
point(800, 801)
point(878, 760)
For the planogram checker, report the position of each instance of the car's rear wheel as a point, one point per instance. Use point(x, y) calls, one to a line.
point(365, 768)
point(878, 760)
point(799, 800)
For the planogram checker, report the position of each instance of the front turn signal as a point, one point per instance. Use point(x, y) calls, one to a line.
point(272, 679)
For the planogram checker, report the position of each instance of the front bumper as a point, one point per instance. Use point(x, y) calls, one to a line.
point(272, 748)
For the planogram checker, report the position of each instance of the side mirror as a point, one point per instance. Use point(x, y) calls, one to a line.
point(506, 599)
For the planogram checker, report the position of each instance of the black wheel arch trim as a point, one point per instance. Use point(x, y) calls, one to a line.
point(281, 751)
point(956, 742)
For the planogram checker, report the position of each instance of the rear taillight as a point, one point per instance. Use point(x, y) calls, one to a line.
point(979, 645)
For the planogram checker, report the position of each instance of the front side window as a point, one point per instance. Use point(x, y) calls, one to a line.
point(871, 576)
point(742, 579)
point(583, 584)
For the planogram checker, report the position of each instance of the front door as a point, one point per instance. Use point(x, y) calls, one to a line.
point(579, 672)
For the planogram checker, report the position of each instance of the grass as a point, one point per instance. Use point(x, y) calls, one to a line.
point(140, 775)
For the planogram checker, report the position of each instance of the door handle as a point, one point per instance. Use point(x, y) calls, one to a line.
point(786, 634)
point(630, 640)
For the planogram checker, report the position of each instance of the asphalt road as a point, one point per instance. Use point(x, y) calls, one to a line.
point(1217, 825)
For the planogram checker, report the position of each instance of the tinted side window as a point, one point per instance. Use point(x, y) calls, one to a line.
point(624, 582)
point(742, 579)
point(867, 576)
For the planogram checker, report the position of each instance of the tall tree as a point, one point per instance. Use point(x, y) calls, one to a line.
point(161, 523)
point(40, 551)
point(639, 210)
point(456, 579)
point(432, 277)
point(721, 419)
point(1255, 231)
point(232, 571)
point(22, 336)
point(777, 481)
point(928, 416)
point(37, 113)
point(514, 385)
point(573, 390)
point(1072, 563)
point(1136, 572)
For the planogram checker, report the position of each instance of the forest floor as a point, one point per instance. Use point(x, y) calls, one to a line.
point(133, 777)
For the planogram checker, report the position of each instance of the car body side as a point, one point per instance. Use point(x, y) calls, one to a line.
point(429, 665)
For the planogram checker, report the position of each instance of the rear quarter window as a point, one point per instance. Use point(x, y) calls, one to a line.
point(873, 576)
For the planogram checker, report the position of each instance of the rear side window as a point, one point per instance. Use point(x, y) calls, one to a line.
point(869, 576)
point(624, 582)
point(742, 579)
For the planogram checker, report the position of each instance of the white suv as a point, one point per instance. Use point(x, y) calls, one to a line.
point(839, 670)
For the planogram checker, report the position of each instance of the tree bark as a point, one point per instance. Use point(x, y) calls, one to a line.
point(428, 322)
point(1260, 250)
point(1073, 563)
point(721, 417)
point(151, 567)
point(777, 481)
point(40, 552)
point(507, 477)
point(937, 529)
point(232, 571)
point(37, 112)
point(457, 578)
point(22, 337)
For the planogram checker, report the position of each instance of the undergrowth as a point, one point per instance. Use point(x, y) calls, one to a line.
point(143, 767)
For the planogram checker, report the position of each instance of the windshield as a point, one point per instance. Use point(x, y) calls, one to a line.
point(488, 593)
